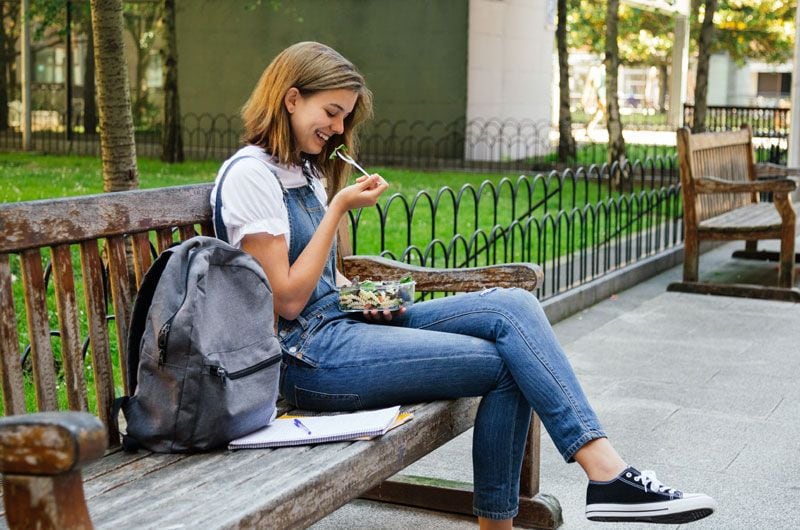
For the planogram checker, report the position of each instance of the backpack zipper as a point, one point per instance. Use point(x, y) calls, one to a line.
point(224, 374)
point(163, 339)
point(163, 333)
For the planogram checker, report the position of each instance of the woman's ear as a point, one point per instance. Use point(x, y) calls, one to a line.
point(290, 99)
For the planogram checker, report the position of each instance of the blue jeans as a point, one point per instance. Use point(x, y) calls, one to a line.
point(496, 343)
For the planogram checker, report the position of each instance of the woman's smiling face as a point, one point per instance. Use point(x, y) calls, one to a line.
point(316, 117)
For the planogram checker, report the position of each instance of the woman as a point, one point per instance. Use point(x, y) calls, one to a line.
point(496, 343)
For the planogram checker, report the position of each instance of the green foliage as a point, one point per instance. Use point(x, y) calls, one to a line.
point(747, 29)
point(754, 29)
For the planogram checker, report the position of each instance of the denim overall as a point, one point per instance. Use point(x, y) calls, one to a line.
point(496, 343)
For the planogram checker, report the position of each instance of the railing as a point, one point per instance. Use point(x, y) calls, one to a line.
point(764, 122)
point(205, 137)
point(491, 145)
point(578, 224)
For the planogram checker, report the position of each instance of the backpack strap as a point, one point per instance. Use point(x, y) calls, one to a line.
point(219, 227)
point(139, 318)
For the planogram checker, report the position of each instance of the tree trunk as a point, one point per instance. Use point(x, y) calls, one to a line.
point(89, 98)
point(566, 142)
point(8, 77)
point(703, 58)
point(171, 139)
point(616, 143)
point(3, 69)
point(117, 144)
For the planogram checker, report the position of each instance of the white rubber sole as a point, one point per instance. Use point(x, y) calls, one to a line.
point(676, 511)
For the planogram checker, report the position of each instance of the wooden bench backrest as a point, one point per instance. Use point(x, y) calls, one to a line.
point(90, 238)
point(97, 235)
point(726, 155)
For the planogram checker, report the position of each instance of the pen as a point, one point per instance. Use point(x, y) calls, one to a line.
point(299, 425)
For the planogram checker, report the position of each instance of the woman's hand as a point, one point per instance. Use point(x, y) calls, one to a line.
point(362, 194)
point(374, 315)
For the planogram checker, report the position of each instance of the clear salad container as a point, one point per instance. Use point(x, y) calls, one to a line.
point(386, 295)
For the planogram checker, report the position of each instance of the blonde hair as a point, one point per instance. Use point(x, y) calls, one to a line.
point(310, 67)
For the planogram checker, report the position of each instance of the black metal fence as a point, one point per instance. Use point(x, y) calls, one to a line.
point(578, 224)
point(484, 145)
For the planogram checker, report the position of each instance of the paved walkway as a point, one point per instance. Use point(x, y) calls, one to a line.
point(703, 390)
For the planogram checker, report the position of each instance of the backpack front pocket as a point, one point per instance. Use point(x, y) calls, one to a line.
point(239, 392)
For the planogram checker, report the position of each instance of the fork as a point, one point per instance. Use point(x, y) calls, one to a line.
point(348, 159)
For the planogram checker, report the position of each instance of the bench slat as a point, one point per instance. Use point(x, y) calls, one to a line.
point(38, 224)
point(10, 369)
point(186, 232)
point(164, 239)
point(754, 217)
point(131, 468)
point(713, 140)
point(278, 488)
point(142, 257)
point(71, 355)
point(44, 373)
point(122, 296)
point(207, 229)
point(95, 299)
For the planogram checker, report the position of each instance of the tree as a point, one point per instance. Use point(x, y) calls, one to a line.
point(9, 33)
point(616, 143)
point(171, 139)
point(762, 31)
point(704, 43)
point(566, 142)
point(117, 144)
point(89, 86)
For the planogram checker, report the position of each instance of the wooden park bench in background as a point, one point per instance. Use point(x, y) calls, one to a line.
point(721, 187)
point(51, 461)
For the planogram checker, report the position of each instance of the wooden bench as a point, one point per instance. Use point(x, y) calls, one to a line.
point(52, 460)
point(720, 187)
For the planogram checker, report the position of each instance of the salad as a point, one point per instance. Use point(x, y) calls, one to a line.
point(383, 295)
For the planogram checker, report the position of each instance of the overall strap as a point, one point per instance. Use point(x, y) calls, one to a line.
point(219, 227)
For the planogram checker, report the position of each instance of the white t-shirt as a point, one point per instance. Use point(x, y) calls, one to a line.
point(252, 200)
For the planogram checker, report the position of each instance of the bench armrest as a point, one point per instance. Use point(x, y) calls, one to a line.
point(50, 443)
point(718, 185)
point(429, 279)
point(41, 456)
point(770, 170)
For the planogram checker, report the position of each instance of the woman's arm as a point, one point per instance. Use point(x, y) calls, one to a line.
point(292, 285)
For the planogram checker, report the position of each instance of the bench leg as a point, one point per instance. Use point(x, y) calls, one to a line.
point(691, 258)
point(788, 221)
point(787, 258)
point(45, 502)
point(536, 510)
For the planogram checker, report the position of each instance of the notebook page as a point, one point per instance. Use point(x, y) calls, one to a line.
point(285, 432)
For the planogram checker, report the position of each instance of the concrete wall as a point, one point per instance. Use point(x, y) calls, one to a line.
point(730, 84)
point(412, 52)
point(719, 70)
point(511, 54)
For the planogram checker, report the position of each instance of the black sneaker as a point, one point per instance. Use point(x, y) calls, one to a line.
point(639, 497)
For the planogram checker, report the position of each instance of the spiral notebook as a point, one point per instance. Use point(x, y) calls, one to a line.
point(297, 430)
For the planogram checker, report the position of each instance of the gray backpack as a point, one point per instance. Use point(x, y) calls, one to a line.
point(203, 359)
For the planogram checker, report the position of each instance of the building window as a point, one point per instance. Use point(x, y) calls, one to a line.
point(774, 85)
point(50, 64)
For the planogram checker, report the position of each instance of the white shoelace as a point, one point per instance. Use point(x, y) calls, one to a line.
point(648, 479)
